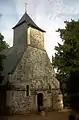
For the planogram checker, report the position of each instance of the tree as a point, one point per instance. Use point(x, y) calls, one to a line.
point(73, 89)
point(67, 55)
point(3, 45)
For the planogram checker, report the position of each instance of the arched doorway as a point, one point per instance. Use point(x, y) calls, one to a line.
point(39, 101)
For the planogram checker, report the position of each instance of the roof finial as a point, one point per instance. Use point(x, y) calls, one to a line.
point(25, 7)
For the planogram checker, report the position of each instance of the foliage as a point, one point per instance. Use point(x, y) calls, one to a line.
point(73, 89)
point(67, 55)
point(3, 45)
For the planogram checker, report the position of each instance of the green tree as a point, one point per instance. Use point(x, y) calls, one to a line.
point(67, 55)
point(3, 45)
point(73, 90)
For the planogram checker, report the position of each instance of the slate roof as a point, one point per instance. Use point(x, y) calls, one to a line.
point(29, 21)
point(13, 55)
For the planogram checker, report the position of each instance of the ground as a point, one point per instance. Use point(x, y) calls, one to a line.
point(62, 115)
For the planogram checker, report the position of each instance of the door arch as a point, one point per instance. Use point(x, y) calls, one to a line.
point(39, 101)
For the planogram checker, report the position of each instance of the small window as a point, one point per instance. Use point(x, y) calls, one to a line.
point(27, 90)
point(49, 87)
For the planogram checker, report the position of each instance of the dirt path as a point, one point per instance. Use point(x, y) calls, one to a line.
point(50, 116)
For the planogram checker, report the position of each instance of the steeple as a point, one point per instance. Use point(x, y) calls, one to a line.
point(21, 28)
point(26, 19)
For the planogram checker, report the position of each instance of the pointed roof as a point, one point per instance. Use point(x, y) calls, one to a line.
point(29, 21)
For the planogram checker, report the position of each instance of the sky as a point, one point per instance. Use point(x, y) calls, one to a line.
point(47, 14)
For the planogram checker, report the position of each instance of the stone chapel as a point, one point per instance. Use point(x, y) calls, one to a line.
point(29, 75)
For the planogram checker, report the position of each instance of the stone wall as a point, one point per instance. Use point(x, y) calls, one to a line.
point(48, 101)
point(57, 99)
point(19, 103)
point(36, 38)
point(35, 68)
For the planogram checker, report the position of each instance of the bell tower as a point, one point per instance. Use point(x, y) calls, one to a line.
point(26, 32)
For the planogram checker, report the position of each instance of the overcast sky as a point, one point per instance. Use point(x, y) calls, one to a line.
point(48, 14)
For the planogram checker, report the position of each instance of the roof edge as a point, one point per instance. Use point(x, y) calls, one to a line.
point(18, 24)
point(36, 28)
point(29, 25)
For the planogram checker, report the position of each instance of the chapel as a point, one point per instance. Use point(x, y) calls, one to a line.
point(28, 73)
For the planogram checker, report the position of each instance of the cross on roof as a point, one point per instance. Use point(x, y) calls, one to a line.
point(25, 7)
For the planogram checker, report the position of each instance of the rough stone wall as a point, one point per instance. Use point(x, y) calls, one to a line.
point(36, 38)
point(35, 68)
point(21, 102)
point(57, 99)
point(48, 100)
